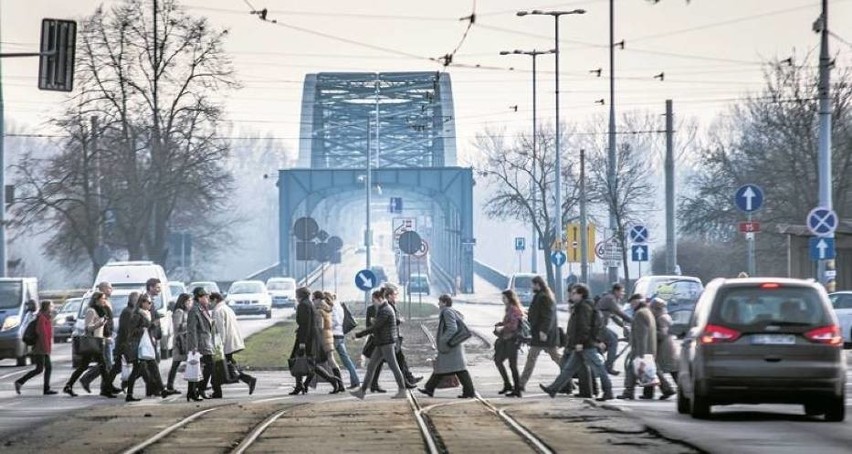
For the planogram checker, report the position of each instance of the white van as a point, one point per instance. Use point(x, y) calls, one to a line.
point(126, 277)
point(14, 294)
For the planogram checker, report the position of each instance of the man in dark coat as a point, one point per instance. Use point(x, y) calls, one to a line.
point(199, 339)
point(643, 341)
point(544, 328)
point(390, 293)
point(610, 307)
point(305, 339)
point(583, 344)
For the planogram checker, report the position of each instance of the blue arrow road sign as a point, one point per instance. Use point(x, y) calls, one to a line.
point(558, 258)
point(365, 280)
point(639, 252)
point(520, 243)
point(639, 234)
point(822, 221)
point(749, 198)
point(821, 248)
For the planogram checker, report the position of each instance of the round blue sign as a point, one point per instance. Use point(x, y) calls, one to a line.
point(365, 280)
point(822, 221)
point(558, 258)
point(748, 198)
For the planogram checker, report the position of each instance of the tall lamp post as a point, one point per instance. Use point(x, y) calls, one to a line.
point(533, 53)
point(558, 220)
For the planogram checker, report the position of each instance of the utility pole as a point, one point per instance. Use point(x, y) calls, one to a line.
point(584, 226)
point(671, 240)
point(824, 155)
point(3, 272)
point(611, 161)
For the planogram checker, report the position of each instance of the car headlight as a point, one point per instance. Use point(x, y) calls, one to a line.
point(11, 322)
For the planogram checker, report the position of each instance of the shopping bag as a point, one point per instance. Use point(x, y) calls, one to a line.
point(146, 347)
point(448, 381)
point(646, 370)
point(126, 370)
point(193, 372)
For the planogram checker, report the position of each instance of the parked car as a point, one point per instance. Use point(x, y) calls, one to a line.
point(210, 286)
point(842, 303)
point(521, 283)
point(763, 340)
point(65, 318)
point(250, 298)
point(282, 290)
point(14, 293)
point(418, 283)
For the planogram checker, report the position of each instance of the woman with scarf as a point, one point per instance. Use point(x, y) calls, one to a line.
point(140, 326)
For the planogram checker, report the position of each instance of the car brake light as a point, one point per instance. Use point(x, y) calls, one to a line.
point(829, 335)
point(770, 285)
point(715, 334)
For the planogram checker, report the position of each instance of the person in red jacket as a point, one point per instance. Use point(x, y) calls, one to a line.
point(41, 350)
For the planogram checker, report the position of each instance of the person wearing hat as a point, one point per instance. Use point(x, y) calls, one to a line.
point(666, 359)
point(199, 339)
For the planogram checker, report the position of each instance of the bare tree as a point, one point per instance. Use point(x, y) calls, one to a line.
point(516, 174)
point(770, 139)
point(151, 78)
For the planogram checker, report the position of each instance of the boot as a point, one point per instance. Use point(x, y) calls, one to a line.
point(507, 388)
point(338, 382)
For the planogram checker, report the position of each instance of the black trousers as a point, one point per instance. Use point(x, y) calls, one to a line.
point(93, 371)
point(142, 368)
point(464, 379)
point(244, 377)
point(507, 350)
point(42, 364)
point(208, 376)
point(84, 365)
point(170, 384)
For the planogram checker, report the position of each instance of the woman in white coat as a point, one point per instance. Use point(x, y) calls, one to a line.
point(451, 360)
point(225, 321)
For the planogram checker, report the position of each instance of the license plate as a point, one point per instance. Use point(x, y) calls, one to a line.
point(773, 339)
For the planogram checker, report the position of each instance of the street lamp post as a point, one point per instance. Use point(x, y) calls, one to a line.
point(558, 227)
point(533, 53)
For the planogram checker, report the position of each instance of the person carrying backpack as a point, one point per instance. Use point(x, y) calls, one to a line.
point(508, 342)
point(41, 349)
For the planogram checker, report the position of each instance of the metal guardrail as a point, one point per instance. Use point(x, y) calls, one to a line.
point(494, 276)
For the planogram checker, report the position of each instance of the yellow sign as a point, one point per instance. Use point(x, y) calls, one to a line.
point(572, 244)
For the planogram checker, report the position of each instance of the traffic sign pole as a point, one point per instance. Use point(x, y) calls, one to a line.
point(751, 258)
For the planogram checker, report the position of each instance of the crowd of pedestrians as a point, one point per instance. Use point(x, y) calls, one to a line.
point(206, 337)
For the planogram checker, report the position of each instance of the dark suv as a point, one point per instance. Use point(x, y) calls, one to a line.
point(763, 340)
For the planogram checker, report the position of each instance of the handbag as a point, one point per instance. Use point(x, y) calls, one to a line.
point(146, 351)
point(232, 372)
point(301, 366)
point(462, 334)
point(88, 346)
point(193, 372)
point(349, 322)
point(369, 347)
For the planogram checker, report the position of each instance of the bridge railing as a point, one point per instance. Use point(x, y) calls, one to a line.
point(494, 276)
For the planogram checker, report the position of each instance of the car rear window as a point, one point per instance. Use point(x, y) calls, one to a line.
point(758, 307)
point(522, 282)
point(843, 301)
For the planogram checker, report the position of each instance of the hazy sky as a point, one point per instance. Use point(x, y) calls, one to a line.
point(710, 50)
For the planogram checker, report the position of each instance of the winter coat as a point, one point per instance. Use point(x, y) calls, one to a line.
point(199, 331)
point(383, 327)
point(305, 328)
point(511, 323)
point(94, 323)
point(179, 319)
point(611, 309)
point(450, 359)
point(44, 330)
point(124, 329)
point(323, 319)
point(139, 325)
point(580, 325)
point(542, 317)
point(643, 333)
point(227, 329)
point(667, 358)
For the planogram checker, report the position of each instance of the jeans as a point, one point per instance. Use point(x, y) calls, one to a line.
point(340, 347)
point(532, 357)
point(593, 359)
